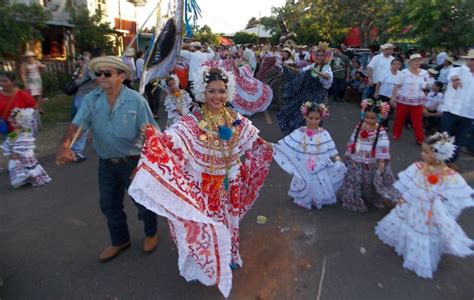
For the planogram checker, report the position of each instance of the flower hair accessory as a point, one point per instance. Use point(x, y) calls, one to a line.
point(323, 46)
point(165, 87)
point(305, 108)
point(23, 117)
point(199, 86)
point(366, 103)
point(384, 108)
point(444, 147)
point(323, 110)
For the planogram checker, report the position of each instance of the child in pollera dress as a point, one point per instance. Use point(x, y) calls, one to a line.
point(369, 176)
point(19, 146)
point(178, 103)
point(310, 156)
point(430, 197)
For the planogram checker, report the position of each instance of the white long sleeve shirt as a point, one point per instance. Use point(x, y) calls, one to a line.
point(460, 101)
point(196, 59)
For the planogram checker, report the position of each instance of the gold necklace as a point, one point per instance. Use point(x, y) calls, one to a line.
point(215, 144)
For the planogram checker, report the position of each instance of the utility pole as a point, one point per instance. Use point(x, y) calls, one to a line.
point(258, 37)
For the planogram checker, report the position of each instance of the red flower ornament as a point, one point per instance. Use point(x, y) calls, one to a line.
point(364, 134)
point(433, 179)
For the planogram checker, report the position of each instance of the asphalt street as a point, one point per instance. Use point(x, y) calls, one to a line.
point(50, 238)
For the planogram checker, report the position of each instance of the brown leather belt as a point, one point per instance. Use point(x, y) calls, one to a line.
point(125, 159)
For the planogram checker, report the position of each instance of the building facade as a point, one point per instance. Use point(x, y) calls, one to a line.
point(125, 16)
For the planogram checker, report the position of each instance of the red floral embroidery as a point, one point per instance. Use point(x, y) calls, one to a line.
point(154, 151)
point(192, 231)
point(364, 134)
point(211, 185)
point(234, 195)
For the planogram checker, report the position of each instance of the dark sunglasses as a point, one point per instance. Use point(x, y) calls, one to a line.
point(106, 73)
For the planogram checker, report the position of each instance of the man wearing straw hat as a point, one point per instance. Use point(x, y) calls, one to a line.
point(458, 104)
point(116, 115)
point(378, 66)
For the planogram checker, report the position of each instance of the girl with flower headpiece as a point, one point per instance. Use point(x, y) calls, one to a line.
point(312, 83)
point(369, 175)
point(178, 102)
point(430, 198)
point(19, 146)
point(310, 156)
point(203, 174)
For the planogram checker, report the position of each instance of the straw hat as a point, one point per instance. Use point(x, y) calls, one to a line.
point(415, 56)
point(109, 61)
point(387, 46)
point(129, 52)
point(470, 55)
point(450, 59)
point(28, 54)
point(195, 44)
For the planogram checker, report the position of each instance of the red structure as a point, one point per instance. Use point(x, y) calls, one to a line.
point(353, 39)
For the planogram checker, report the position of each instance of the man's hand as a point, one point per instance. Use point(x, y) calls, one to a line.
point(381, 166)
point(392, 102)
point(456, 83)
point(64, 156)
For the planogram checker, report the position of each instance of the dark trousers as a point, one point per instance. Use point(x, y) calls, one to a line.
point(338, 88)
point(368, 92)
point(114, 180)
point(385, 121)
point(456, 126)
point(153, 94)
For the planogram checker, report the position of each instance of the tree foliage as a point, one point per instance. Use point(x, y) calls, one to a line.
point(91, 31)
point(329, 20)
point(20, 24)
point(432, 23)
point(444, 24)
point(243, 37)
point(205, 35)
point(252, 23)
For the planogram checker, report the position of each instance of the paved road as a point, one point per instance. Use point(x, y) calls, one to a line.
point(50, 238)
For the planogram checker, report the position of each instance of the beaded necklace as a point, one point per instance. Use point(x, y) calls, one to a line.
point(310, 162)
point(178, 97)
point(432, 176)
point(221, 138)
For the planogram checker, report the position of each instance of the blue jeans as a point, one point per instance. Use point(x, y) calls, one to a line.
point(456, 126)
point(114, 180)
point(81, 141)
point(368, 92)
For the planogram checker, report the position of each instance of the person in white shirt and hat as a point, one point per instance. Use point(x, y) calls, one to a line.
point(195, 58)
point(458, 104)
point(379, 65)
point(443, 73)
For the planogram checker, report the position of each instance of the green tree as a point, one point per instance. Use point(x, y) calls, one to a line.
point(252, 23)
point(20, 24)
point(242, 37)
point(444, 24)
point(205, 35)
point(91, 32)
point(329, 20)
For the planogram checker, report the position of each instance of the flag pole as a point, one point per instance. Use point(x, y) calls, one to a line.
point(143, 25)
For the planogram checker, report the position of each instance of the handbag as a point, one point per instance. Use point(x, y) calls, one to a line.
point(71, 87)
point(3, 119)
